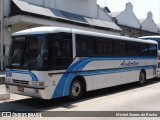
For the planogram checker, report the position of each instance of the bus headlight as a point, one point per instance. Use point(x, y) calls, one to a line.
point(35, 83)
point(41, 84)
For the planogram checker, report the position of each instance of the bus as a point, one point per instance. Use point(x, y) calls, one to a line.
point(157, 39)
point(52, 62)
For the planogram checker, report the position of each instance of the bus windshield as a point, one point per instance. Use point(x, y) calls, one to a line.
point(28, 51)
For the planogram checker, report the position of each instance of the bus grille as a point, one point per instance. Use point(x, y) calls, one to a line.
point(20, 82)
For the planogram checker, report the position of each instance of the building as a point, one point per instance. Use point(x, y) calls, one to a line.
point(131, 26)
point(148, 26)
point(127, 20)
point(23, 14)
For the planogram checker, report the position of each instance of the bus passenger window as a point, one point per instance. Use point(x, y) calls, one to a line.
point(143, 49)
point(60, 51)
point(85, 45)
point(152, 50)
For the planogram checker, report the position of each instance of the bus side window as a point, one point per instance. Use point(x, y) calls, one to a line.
point(120, 48)
point(104, 47)
point(85, 45)
point(152, 50)
point(133, 49)
point(143, 49)
point(60, 51)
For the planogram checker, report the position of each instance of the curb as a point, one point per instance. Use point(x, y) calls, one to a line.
point(2, 79)
point(4, 96)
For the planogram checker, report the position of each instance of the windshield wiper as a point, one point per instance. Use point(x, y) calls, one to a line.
point(28, 64)
point(29, 67)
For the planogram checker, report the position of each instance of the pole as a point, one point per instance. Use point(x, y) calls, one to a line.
point(2, 33)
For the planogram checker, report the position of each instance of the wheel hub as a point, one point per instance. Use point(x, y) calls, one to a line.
point(76, 89)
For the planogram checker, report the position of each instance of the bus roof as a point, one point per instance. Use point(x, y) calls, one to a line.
point(48, 29)
point(150, 36)
point(42, 30)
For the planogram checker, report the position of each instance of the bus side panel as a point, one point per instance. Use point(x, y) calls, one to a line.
point(75, 69)
point(150, 73)
point(108, 71)
point(110, 79)
point(126, 71)
point(53, 89)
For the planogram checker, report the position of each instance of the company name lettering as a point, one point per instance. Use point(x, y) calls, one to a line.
point(129, 64)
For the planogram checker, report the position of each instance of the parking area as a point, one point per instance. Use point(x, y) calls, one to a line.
point(128, 97)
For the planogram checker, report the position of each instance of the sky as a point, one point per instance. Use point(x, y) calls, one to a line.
point(140, 7)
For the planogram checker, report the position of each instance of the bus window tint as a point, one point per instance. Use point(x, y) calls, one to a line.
point(152, 50)
point(120, 48)
point(104, 47)
point(143, 49)
point(17, 50)
point(85, 45)
point(132, 49)
point(60, 51)
point(32, 51)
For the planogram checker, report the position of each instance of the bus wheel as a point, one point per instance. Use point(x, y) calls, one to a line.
point(142, 78)
point(76, 90)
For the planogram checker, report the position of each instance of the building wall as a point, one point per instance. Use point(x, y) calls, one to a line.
point(87, 8)
point(6, 7)
point(128, 18)
point(7, 43)
point(81, 7)
point(103, 16)
point(149, 27)
point(0, 10)
point(4, 34)
point(149, 24)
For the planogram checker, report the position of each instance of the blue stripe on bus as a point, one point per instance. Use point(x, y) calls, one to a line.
point(33, 76)
point(62, 89)
point(99, 72)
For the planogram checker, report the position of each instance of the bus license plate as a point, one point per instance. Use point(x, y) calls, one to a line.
point(20, 88)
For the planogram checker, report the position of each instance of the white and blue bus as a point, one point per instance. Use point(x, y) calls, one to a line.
point(52, 62)
point(157, 39)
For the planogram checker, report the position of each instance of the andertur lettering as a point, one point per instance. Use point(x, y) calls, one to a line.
point(129, 64)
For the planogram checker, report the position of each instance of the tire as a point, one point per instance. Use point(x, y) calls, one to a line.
point(142, 78)
point(76, 90)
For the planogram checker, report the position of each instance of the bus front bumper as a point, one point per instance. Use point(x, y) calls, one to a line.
point(26, 90)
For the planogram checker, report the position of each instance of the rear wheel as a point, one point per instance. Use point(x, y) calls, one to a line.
point(76, 90)
point(142, 78)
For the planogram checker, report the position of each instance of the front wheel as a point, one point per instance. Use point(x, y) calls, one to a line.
point(76, 90)
point(142, 78)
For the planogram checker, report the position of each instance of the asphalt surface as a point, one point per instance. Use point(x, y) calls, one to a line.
point(130, 97)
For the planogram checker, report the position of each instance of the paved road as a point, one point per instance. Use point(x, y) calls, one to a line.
point(122, 98)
